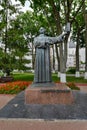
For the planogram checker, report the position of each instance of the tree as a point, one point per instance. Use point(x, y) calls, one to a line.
point(5, 13)
point(18, 45)
point(59, 16)
point(12, 38)
point(45, 7)
point(85, 19)
point(31, 24)
point(78, 29)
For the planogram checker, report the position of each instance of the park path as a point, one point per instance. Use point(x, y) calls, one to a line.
point(4, 99)
point(29, 124)
point(82, 86)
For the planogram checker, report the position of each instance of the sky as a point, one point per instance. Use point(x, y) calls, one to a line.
point(25, 8)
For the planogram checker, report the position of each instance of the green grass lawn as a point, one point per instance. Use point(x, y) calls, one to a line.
point(23, 76)
point(19, 85)
point(76, 80)
point(30, 77)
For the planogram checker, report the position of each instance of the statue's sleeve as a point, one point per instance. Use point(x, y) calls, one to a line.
point(54, 40)
point(36, 43)
point(39, 42)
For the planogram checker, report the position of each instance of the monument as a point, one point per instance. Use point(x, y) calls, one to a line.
point(42, 76)
point(43, 90)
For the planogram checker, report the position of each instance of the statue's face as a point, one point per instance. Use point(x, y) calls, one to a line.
point(42, 30)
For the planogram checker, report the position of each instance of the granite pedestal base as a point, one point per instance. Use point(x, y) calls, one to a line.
point(58, 94)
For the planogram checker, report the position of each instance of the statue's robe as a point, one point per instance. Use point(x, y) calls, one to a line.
point(42, 61)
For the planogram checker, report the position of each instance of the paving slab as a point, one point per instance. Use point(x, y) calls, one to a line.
point(16, 115)
point(27, 124)
point(17, 108)
point(5, 98)
point(82, 86)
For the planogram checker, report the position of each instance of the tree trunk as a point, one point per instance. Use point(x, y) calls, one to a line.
point(62, 64)
point(65, 50)
point(77, 55)
point(53, 59)
point(6, 27)
point(58, 59)
point(85, 19)
point(86, 46)
point(32, 51)
point(59, 30)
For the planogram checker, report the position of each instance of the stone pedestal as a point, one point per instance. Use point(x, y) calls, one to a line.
point(57, 94)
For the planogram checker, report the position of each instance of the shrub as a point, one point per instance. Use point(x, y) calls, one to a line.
point(71, 70)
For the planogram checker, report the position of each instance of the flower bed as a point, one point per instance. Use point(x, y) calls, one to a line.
point(17, 86)
point(13, 87)
point(72, 86)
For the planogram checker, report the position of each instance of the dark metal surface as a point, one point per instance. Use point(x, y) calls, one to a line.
point(42, 64)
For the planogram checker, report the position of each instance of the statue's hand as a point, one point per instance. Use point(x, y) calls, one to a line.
point(63, 35)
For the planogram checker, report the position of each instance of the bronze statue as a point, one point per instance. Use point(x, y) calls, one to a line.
point(42, 64)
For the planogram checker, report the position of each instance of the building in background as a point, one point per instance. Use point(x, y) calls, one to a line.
point(71, 58)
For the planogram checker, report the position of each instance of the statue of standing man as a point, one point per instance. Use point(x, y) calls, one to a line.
point(42, 63)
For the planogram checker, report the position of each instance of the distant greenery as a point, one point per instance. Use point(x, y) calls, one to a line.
point(30, 77)
point(23, 76)
point(71, 70)
point(22, 80)
point(76, 80)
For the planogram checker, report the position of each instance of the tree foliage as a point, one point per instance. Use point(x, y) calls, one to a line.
point(17, 34)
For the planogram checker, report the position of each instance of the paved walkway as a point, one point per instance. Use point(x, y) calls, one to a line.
point(82, 86)
point(37, 124)
point(26, 124)
point(4, 99)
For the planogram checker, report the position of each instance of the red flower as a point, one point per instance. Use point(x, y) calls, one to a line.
point(14, 87)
